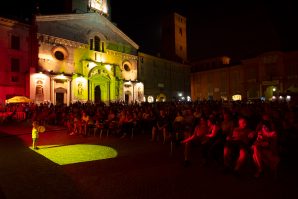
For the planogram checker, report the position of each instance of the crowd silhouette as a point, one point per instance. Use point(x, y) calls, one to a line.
point(228, 134)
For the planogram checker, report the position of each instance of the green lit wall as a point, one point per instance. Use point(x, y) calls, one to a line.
point(96, 72)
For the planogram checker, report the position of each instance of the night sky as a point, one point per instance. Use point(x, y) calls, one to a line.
point(240, 29)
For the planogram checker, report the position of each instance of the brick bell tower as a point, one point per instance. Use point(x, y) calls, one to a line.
point(174, 38)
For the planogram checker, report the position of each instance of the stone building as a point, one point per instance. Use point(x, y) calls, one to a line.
point(164, 80)
point(15, 48)
point(269, 76)
point(84, 57)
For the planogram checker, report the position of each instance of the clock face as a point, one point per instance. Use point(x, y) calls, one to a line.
point(97, 5)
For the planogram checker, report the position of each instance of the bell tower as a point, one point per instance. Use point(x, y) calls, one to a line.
point(100, 6)
point(174, 38)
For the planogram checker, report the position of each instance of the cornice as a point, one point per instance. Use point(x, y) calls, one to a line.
point(60, 41)
point(10, 22)
point(123, 55)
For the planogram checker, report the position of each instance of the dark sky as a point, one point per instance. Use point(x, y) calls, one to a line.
point(237, 28)
point(215, 27)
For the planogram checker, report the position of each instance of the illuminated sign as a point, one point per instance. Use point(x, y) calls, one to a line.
point(99, 5)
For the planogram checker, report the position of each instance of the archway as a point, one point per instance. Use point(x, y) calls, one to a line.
point(269, 92)
point(97, 94)
point(127, 97)
point(161, 97)
point(60, 95)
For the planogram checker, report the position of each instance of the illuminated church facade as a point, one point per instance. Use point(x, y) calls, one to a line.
point(84, 57)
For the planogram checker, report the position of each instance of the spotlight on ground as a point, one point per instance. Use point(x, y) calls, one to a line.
point(70, 154)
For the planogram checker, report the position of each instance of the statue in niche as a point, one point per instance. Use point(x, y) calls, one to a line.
point(140, 94)
point(39, 90)
point(80, 88)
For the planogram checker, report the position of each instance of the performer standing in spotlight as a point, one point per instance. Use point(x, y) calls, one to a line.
point(35, 135)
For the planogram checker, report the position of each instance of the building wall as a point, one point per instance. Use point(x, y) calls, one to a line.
point(267, 75)
point(163, 79)
point(174, 38)
point(14, 80)
point(180, 37)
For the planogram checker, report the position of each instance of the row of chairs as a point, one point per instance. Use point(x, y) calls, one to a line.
point(108, 128)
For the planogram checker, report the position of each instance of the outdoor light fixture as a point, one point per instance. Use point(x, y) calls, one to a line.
point(288, 98)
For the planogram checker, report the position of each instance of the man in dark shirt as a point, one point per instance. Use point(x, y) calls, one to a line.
point(161, 126)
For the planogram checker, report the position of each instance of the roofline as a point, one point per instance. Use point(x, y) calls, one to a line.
point(64, 17)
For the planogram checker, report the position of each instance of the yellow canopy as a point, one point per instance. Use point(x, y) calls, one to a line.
point(19, 99)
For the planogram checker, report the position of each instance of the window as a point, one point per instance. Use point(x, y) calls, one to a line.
point(180, 31)
point(15, 65)
point(96, 43)
point(251, 73)
point(15, 42)
point(91, 44)
point(59, 55)
point(126, 67)
point(102, 46)
point(14, 78)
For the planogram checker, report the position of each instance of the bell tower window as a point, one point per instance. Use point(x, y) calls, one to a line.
point(96, 43)
point(91, 44)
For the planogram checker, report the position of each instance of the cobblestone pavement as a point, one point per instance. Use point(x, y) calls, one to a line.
point(142, 169)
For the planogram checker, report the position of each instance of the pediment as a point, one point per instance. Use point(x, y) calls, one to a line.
point(79, 28)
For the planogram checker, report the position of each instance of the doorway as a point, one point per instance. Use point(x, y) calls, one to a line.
point(127, 96)
point(59, 98)
point(97, 94)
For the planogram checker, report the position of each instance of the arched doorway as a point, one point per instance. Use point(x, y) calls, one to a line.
point(269, 92)
point(97, 94)
point(161, 97)
point(127, 96)
point(60, 96)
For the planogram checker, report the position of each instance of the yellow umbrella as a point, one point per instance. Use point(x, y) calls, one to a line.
point(19, 99)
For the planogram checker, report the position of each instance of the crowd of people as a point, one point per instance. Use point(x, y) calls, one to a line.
point(226, 133)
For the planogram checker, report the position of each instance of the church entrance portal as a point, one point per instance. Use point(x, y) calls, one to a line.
point(97, 94)
point(59, 98)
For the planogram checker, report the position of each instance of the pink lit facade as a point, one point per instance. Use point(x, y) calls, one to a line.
point(14, 59)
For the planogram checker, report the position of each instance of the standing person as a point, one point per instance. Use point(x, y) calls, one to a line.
point(35, 135)
point(161, 126)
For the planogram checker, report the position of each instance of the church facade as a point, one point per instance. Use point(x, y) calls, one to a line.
point(84, 57)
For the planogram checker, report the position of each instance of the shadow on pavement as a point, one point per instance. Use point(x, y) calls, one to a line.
point(25, 174)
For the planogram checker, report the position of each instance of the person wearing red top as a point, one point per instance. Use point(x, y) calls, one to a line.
point(238, 143)
point(265, 149)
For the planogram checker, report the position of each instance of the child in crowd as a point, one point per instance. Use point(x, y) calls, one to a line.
point(35, 135)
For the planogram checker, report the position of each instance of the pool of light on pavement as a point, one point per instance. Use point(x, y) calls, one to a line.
point(70, 154)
